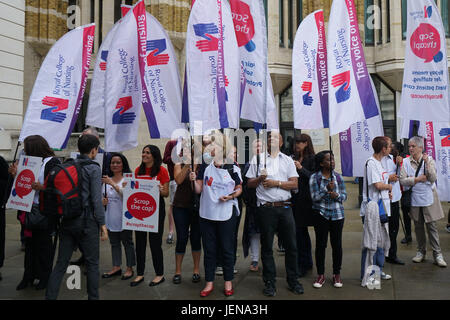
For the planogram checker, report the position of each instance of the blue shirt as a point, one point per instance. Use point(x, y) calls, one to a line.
point(330, 209)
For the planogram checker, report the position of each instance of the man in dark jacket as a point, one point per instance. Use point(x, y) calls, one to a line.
point(92, 220)
point(3, 198)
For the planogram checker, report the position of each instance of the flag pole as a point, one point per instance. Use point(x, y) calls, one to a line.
point(5, 196)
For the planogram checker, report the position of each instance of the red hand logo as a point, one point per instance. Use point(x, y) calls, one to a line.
point(307, 86)
point(153, 60)
point(340, 79)
point(103, 66)
point(61, 104)
point(126, 103)
point(212, 44)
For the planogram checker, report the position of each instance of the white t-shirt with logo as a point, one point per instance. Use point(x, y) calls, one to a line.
point(391, 168)
point(375, 173)
point(113, 214)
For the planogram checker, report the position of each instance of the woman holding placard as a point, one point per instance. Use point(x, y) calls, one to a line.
point(151, 169)
point(219, 184)
point(113, 200)
point(38, 243)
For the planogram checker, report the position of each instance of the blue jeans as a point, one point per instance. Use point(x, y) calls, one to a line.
point(185, 218)
point(378, 260)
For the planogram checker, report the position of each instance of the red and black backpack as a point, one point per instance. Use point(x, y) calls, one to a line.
point(62, 194)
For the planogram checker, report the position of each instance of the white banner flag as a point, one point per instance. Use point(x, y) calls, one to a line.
point(22, 195)
point(351, 98)
point(96, 108)
point(163, 82)
point(59, 88)
point(425, 79)
point(141, 205)
point(213, 67)
point(123, 86)
point(256, 85)
point(309, 74)
point(437, 145)
point(356, 143)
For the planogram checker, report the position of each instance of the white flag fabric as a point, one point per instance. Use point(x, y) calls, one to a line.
point(213, 67)
point(437, 145)
point(256, 86)
point(356, 143)
point(351, 98)
point(123, 96)
point(162, 81)
point(58, 91)
point(309, 74)
point(425, 79)
point(95, 116)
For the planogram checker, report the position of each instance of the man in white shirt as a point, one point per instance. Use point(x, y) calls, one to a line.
point(393, 171)
point(274, 180)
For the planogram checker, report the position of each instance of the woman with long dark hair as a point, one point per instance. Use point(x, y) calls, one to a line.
point(328, 195)
point(113, 200)
point(303, 156)
point(39, 251)
point(151, 169)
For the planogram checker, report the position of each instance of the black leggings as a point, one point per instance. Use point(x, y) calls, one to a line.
point(322, 227)
point(155, 240)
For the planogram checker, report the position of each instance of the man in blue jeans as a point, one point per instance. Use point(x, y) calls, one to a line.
point(274, 182)
point(92, 221)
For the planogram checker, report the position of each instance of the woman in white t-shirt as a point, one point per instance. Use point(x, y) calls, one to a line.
point(219, 184)
point(376, 183)
point(113, 200)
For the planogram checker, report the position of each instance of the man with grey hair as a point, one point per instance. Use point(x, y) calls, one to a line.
point(418, 173)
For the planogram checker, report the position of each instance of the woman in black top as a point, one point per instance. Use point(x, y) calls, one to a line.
point(303, 155)
point(38, 243)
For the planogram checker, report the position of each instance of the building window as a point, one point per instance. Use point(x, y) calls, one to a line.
point(404, 19)
point(117, 10)
point(388, 21)
point(386, 96)
point(287, 119)
point(380, 23)
point(444, 14)
point(281, 29)
point(290, 25)
point(299, 12)
point(369, 18)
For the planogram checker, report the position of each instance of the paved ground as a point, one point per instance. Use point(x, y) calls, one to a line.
point(423, 281)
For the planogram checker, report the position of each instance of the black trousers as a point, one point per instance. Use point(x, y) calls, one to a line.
point(304, 249)
point(407, 221)
point(218, 234)
point(89, 242)
point(2, 234)
point(322, 227)
point(155, 240)
point(272, 220)
point(38, 260)
point(394, 225)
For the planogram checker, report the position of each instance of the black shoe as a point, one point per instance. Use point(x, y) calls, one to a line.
point(153, 284)
point(195, 278)
point(135, 283)
point(406, 240)
point(41, 285)
point(270, 290)
point(295, 287)
point(78, 262)
point(395, 261)
point(24, 284)
point(110, 275)
point(1, 278)
point(176, 279)
point(128, 277)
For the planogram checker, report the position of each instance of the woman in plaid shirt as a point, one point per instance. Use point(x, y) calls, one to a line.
point(327, 194)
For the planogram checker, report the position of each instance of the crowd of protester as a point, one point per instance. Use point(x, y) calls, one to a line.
point(283, 196)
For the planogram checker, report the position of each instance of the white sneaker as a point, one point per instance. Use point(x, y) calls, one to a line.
point(385, 276)
point(439, 260)
point(219, 271)
point(419, 257)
